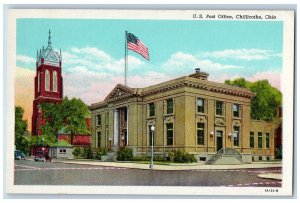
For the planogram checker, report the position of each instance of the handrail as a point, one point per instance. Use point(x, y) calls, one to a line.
point(224, 151)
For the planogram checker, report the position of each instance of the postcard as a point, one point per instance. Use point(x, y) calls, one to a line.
point(152, 102)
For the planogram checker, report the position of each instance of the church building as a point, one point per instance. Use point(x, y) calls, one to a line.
point(189, 113)
point(48, 83)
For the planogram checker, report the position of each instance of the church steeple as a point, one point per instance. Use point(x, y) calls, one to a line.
point(49, 39)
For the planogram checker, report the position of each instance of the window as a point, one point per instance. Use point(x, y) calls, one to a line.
point(39, 73)
point(259, 140)
point(150, 136)
point(99, 119)
point(125, 115)
point(99, 138)
point(236, 110)
point(219, 108)
point(267, 140)
point(236, 134)
point(151, 109)
point(252, 139)
point(200, 133)
point(169, 133)
point(54, 81)
point(200, 105)
point(47, 81)
point(169, 106)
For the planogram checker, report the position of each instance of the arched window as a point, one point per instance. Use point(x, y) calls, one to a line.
point(47, 81)
point(39, 73)
point(54, 81)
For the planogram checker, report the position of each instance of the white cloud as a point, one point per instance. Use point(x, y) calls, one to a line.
point(98, 60)
point(242, 54)
point(274, 77)
point(25, 59)
point(186, 62)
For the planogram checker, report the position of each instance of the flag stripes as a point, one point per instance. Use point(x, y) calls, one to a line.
point(134, 44)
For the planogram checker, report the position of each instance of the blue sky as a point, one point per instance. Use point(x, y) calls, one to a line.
point(93, 52)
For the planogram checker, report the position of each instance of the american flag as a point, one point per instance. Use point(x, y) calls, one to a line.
point(133, 43)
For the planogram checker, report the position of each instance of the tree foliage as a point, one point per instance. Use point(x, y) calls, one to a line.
point(69, 116)
point(21, 142)
point(266, 101)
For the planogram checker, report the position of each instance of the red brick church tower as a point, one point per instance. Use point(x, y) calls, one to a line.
point(48, 83)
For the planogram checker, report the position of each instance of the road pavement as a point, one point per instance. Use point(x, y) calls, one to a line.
point(39, 173)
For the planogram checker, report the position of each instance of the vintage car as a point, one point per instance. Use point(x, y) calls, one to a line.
point(19, 155)
point(42, 156)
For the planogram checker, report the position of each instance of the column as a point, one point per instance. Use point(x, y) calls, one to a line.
point(116, 128)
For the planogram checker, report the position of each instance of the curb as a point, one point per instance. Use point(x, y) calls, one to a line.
point(272, 176)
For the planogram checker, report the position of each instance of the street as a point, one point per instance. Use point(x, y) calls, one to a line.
point(39, 173)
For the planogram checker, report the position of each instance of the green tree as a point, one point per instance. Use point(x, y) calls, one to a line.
point(266, 101)
point(21, 142)
point(74, 112)
point(69, 116)
point(51, 113)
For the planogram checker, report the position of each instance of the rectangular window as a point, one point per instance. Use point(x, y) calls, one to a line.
point(99, 138)
point(252, 139)
point(169, 106)
point(150, 136)
point(200, 105)
point(259, 140)
point(236, 110)
point(169, 127)
point(200, 133)
point(99, 119)
point(151, 109)
point(267, 140)
point(236, 135)
point(219, 108)
point(125, 114)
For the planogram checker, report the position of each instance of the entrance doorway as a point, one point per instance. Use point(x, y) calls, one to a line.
point(219, 140)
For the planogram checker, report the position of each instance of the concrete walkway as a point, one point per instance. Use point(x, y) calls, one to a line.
point(193, 166)
point(273, 176)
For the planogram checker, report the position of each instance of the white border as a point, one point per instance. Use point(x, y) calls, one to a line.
point(287, 87)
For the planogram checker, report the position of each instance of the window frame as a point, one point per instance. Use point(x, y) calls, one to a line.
point(150, 110)
point(238, 111)
point(259, 140)
point(167, 106)
point(99, 120)
point(252, 140)
point(217, 108)
point(236, 139)
point(202, 109)
point(170, 134)
point(200, 133)
point(267, 140)
point(47, 80)
point(54, 81)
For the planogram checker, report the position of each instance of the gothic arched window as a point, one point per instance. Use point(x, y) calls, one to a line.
point(39, 73)
point(54, 81)
point(47, 81)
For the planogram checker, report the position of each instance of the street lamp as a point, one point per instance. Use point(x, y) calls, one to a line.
point(43, 146)
point(152, 143)
point(110, 144)
point(123, 143)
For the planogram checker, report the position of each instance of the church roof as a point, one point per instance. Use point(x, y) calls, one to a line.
point(49, 56)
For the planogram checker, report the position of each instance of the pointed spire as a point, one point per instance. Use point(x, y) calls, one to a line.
point(49, 38)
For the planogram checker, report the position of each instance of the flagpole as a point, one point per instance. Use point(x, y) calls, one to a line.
point(126, 58)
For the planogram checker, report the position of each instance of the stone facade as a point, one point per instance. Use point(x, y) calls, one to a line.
point(189, 113)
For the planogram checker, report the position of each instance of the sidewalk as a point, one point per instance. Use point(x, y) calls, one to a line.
point(193, 166)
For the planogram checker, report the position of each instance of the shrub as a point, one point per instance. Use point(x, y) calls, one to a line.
point(278, 153)
point(101, 152)
point(183, 157)
point(87, 153)
point(76, 152)
point(125, 154)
